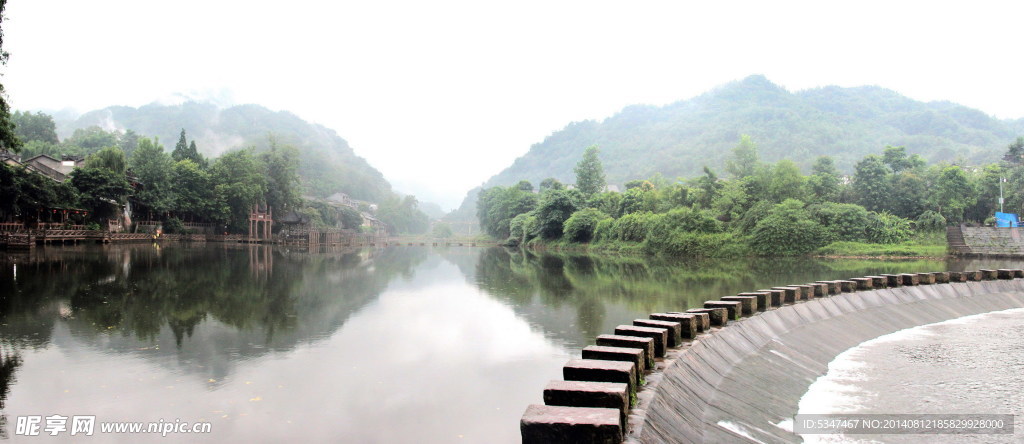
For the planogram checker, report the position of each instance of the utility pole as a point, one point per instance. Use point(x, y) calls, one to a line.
point(1001, 180)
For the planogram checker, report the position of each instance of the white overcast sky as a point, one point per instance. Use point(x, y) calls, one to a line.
point(440, 95)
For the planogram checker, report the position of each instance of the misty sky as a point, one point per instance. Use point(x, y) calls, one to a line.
point(441, 95)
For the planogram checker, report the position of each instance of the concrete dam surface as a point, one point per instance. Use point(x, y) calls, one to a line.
point(743, 381)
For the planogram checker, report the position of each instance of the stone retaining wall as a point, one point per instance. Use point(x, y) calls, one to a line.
point(994, 241)
point(754, 355)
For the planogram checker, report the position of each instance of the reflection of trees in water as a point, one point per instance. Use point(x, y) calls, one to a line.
point(215, 302)
point(587, 284)
point(9, 363)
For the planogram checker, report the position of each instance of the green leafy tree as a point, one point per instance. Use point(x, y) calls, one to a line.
point(525, 185)
point(194, 194)
point(909, 194)
point(551, 184)
point(35, 127)
point(870, 183)
point(184, 150)
point(708, 188)
point(100, 191)
point(1015, 152)
point(555, 207)
point(8, 136)
point(952, 194)
point(282, 166)
point(589, 173)
point(744, 159)
point(787, 182)
point(497, 206)
point(824, 183)
point(896, 158)
point(91, 139)
point(129, 142)
point(111, 158)
point(154, 168)
point(580, 226)
point(239, 183)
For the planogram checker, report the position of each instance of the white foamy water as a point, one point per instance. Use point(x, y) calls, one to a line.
point(968, 365)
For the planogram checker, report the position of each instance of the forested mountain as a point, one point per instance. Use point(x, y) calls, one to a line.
point(679, 139)
point(327, 164)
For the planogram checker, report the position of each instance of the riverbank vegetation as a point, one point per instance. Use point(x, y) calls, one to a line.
point(893, 205)
point(176, 186)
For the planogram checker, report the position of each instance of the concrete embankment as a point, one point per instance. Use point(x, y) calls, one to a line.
point(735, 382)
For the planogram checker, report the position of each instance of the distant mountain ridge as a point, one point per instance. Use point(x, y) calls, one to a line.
point(327, 163)
point(680, 138)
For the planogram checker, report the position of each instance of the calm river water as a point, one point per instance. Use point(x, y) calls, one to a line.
point(401, 344)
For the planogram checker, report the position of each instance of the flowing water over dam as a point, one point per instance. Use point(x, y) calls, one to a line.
point(969, 364)
point(744, 383)
point(397, 344)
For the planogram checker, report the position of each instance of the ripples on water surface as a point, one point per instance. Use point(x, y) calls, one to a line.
point(388, 345)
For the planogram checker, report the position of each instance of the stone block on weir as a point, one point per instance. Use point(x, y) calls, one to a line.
point(764, 299)
point(660, 336)
point(689, 323)
point(910, 279)
point(645, 344)
point(703, 318)
point(864, 283)
point(608, 353)
point(893, 280)
point(777, 296)
point(789, 296)
point(598, 370)
point(733, 309)
point(675, 330)
point(544, 424)
point(611, 395)
point(748, 304)
point(719, 317)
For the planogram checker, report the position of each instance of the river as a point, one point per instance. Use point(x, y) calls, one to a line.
point(397, 344)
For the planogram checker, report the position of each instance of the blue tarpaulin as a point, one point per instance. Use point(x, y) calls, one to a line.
point(1007, 220)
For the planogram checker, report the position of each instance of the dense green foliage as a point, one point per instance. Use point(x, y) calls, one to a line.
point(678, 139)
point(326, 163)
point(183, 184)
point(764, 209)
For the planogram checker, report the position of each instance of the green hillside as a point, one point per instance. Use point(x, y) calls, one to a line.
point(327, 164)
point(680, 138)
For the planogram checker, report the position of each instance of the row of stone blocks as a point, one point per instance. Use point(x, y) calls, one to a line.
point(592, 403)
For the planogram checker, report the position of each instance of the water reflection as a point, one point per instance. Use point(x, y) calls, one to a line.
point(593, 295)
point(205, 306)
point(403, 344)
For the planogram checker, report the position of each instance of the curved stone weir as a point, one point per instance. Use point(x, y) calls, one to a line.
point(736, 382)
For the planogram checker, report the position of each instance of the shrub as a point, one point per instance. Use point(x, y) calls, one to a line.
point(581, 225)
point(930, 221)
point(787, 230)
point(635, 226)
point(842, 222)
point(696, 244)
point(886, 228)
point(174, 226)
point(605, 230)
